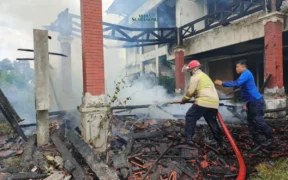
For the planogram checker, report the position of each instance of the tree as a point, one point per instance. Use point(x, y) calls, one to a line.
point(17, 73)
point(17, 83)
point(167, 82)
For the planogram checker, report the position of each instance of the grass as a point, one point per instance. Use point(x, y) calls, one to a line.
point(5, 129)
point(12, 162)
point(278, 171)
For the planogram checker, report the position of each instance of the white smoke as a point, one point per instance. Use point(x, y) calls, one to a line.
point(17, 20)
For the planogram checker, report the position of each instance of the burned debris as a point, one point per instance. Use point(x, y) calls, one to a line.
point(155, 150)
point(11, 115)
point(140, 149)
point(58, 160)
point(20, 158)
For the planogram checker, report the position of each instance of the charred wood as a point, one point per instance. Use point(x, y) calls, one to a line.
point(78, 172)
point(25, 176)
point(101, 170)
point(11, 115)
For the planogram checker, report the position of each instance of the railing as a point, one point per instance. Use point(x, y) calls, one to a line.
point(137, 37)
point(235, 11)
point(141, 36)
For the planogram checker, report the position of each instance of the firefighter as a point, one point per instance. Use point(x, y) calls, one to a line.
point(254, 103)
point(206, 104)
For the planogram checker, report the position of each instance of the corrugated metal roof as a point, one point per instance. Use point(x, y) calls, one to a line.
point(124, 7)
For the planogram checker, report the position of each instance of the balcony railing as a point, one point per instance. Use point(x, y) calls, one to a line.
point(235, 11)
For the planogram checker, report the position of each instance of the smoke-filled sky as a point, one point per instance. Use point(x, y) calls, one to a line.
point(18, 18)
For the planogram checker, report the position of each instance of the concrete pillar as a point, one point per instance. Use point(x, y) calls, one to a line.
point(157, 66)
point(274, 93)
point(179, 75)
point(94, 110)
point(66, 67)
point(42, 85)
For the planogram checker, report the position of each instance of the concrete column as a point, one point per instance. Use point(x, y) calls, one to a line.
point(179, 75)
point(42, 85)
point(157, 66)
point(274, 92)
point(66, 67)
point(95, 123)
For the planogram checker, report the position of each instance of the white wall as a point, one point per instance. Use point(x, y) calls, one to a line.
point(245, 29)
point(242, 30)
point(147, 6)
point(186, 11)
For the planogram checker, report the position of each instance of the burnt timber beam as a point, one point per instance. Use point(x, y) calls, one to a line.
point(101, 170)
point(25, 176)
point(31, 50)
point(142, 35)
point(78, 172)
point(154, 36)
point(11, 115)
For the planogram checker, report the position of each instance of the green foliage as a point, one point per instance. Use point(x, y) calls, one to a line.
point(17, 83)
point(278, 171)
point(164, 62)
point(16, 74)
point(168, 83)
point(112, 99)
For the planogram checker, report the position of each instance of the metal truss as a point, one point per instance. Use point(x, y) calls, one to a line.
point(235, 11)
point(139, 36)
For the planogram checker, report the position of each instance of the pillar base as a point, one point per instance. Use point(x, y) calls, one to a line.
point(179, 92)
point(95, 121)
point(275, 98)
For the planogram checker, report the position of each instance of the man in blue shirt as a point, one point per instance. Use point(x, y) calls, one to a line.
point(254, 103)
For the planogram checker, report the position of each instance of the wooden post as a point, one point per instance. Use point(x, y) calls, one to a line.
point(42, 99)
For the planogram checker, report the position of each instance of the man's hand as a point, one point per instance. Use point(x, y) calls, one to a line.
point(218, 82)
point(244, 107)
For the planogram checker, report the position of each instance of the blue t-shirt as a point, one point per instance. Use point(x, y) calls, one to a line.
point(247, 86)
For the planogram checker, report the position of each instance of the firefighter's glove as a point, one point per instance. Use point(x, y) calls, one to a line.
point(184, 100)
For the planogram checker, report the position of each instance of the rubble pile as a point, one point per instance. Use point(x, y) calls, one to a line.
point(55, 161)
point(155, 150)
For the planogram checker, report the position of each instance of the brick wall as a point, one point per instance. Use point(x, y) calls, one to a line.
point(274, 53)
point(92, 47)
point(179, 75)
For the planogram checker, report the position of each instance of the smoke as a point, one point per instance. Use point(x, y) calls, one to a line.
point(17, 84)
point(17, 20)
point(145, 89)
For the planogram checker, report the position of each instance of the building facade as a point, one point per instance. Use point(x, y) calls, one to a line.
point(221, 33)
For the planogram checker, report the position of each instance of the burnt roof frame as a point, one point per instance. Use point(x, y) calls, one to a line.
point(185, 31)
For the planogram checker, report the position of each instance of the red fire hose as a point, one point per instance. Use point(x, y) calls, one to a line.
point(242, 170)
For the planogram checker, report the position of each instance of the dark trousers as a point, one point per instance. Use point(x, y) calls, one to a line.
point(256, 122)
point(209, 114)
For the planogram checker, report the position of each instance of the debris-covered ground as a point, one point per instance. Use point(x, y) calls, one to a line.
point(139, 148)
point(56, 161)
point(153, 149)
